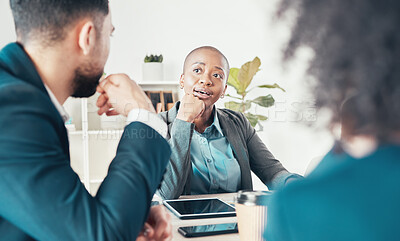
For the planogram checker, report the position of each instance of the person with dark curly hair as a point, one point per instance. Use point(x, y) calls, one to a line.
point(353, 193)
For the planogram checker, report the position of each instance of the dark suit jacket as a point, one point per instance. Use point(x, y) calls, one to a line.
point(41, 197)
point(343, 199)
point(248, 148)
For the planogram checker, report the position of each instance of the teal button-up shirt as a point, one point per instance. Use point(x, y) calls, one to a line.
point(215, 169)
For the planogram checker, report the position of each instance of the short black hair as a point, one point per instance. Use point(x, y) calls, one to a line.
point(49, 20)
point(208, 48)
point(357, 53)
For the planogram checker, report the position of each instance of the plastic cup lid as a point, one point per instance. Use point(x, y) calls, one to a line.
point(253, 197)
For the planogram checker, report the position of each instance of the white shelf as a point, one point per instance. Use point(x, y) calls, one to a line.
point(105, 132)
point(75, 133)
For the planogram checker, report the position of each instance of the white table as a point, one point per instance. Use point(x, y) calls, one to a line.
point(176, 222)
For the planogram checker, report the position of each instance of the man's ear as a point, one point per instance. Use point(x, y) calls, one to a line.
point(87, 37)
point(181, 81)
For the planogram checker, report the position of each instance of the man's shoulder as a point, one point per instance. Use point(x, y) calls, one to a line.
point(12, 87)
point(7, 80)
point(16, 94)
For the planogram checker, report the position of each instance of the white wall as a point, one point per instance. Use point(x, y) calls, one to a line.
point(241, 30)
point(6, 24)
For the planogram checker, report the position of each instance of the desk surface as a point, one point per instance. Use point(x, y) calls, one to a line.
point(176, 222)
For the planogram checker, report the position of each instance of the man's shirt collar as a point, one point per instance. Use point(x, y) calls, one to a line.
point(57, 104)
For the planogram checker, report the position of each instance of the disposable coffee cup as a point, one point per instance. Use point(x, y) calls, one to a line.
point(251, 212)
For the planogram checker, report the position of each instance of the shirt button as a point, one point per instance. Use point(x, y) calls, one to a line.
point(209, 161)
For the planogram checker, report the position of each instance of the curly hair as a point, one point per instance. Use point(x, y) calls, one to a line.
point(357, 54)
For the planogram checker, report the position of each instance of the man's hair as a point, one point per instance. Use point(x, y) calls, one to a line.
point(208, 48)
point(357, 49)
point(49, 20)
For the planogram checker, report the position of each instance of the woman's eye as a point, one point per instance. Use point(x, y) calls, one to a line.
point(217, 76)
point(197, 71)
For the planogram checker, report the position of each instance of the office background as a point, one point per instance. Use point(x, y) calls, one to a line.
point(241, 29)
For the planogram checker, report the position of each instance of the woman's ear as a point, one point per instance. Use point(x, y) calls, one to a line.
point(87, 37)
point(223, 93)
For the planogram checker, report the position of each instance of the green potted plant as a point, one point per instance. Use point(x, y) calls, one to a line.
point(153, 68)
point(240, 79)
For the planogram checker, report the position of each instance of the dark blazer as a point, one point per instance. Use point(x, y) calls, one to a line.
point(249, 150)
point(343, 199)
point(41, 197)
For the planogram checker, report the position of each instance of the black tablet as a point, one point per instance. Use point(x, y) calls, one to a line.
point(200, 208)
point(208, 230)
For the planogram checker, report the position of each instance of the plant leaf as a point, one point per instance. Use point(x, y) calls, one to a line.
point(236, 106)
point(275, 85)
point(233, 79)
point(232, 105)
point(253, 119)
point(264, 101)
point(246, 74)
point(262, 117)
point(228, 95)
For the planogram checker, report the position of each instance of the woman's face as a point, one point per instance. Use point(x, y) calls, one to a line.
point(205, 76)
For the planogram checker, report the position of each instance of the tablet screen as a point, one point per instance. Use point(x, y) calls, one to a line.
point(205, 207)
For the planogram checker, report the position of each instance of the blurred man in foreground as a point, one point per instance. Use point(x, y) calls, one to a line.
point(61, 50)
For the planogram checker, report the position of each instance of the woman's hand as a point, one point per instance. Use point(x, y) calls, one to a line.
point(191, 107)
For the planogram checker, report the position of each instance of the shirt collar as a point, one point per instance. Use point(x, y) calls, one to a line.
point(57, 104)
point(216, 122)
